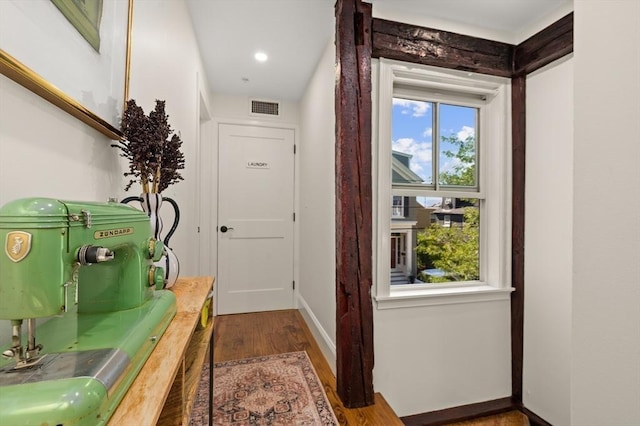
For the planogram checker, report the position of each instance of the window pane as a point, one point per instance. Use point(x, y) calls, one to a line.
point(457, 156)
point(411, 134)
point(416, 217)
point(397, 209)
point(448, 250)
point(404, 232)
point(436, 242)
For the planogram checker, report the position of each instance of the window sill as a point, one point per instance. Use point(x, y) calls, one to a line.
point(442, 296)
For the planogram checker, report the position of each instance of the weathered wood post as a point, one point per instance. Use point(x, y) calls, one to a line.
point(354, 312)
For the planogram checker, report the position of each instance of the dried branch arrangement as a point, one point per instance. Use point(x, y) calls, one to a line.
point(154, 157)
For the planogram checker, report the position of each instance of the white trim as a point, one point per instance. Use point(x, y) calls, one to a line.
point(203, 122)
point(441, 193)
point(494, 188)
point(438, 80)
point(327, 346)
point(442, 296)
point(211, 179)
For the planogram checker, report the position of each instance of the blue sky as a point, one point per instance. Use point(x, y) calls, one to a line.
point(412, 132)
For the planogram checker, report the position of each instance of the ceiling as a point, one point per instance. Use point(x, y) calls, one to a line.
point(294, 33)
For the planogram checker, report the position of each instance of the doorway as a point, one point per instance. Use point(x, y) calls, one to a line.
point(255, 230)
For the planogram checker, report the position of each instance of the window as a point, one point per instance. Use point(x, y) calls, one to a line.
point(443, 161)
point(398, 207)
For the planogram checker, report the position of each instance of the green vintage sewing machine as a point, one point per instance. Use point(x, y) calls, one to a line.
point(89, 268)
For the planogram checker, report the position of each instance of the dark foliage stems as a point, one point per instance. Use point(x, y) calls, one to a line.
point(154, 157)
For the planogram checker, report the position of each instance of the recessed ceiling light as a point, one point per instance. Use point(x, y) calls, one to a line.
point(261, 57)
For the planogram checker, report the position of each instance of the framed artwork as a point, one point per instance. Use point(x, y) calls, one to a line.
point(44, 50)
point(85, 16)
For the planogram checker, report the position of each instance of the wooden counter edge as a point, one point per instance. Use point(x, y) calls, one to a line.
point(143, 402)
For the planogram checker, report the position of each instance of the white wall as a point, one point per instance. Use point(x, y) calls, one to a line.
point(226, 106)
point(317, 294)
point(166, 65)
point(582, 305)
point(426, 358)
point(605, 346)
point(436, 357)
point(548, 242)
point(45, 152)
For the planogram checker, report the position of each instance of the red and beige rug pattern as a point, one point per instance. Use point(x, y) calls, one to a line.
point(275, 390)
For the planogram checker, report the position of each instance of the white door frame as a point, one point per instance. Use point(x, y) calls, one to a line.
point(209, 180)
point(203, 145)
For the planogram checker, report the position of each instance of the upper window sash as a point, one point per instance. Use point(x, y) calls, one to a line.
point(437, 101)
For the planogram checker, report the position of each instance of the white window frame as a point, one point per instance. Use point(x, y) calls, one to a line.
point(398, 209)
point(494, 187)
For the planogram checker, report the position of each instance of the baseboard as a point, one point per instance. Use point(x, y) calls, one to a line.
point(327, 346)
point(461, 413)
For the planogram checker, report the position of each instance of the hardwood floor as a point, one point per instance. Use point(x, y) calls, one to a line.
point(267, 333)
point(512, 418)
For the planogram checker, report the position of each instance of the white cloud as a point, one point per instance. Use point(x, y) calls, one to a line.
point(450, 164)
point(416, 108)
point(466, 132)
point(428, 132)
point(420, 151)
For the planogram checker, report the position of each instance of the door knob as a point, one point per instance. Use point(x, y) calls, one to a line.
point(224, 229)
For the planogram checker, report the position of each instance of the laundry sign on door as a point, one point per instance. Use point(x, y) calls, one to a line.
point(257, 165)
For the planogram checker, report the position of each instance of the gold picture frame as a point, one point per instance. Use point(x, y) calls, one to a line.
point(31, 78)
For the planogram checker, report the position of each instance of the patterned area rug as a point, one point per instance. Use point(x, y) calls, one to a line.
point(200, 411)
point(276, 390)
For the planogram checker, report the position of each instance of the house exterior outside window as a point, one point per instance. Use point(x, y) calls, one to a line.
point(406, 220)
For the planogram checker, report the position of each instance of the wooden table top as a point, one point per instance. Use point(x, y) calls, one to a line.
point(143, 402)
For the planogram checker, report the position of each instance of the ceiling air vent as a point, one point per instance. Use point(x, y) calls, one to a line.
point(265, 108)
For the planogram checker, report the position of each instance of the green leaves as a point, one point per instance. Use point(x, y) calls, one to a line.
point(464, 172)
point(454, 250)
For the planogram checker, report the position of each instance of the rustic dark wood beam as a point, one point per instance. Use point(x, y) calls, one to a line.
point(428, 46)
point(544, 47)
point(354, 311)
point(518, 152)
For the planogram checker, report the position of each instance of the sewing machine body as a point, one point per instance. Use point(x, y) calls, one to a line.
point(89, 267)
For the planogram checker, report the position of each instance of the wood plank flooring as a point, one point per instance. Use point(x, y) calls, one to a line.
point(267, 333)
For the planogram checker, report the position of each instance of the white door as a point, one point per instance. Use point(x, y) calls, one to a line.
point(255, 219)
